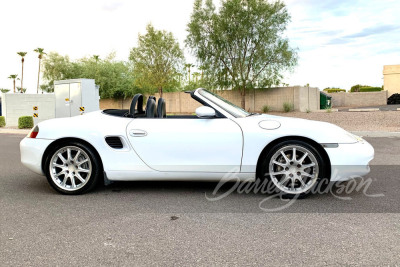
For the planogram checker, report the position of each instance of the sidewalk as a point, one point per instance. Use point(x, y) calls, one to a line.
point(371, 108)
point(6, 130)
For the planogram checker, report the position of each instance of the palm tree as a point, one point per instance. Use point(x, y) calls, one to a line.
point(41, 52)
point(202, 68)
point(196, 76)
point(188, 66)
point(22, 54)
point(21, 90)
point(13, 77)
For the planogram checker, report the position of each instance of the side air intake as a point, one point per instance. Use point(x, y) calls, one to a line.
point(114, 142)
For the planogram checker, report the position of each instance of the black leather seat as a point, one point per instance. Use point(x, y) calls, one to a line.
point(151, 110)
point(161, 108)
point(137, 100)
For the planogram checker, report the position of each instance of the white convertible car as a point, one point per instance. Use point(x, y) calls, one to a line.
point(222, 141)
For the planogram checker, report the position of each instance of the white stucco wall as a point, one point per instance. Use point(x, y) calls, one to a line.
point(17, 105)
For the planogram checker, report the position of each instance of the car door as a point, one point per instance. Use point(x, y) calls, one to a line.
point(198, 145)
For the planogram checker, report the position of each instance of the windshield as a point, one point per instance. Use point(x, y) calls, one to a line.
point(224, 104)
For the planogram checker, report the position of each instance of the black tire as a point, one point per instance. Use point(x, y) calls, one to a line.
point(322, 176)
point(91, 180)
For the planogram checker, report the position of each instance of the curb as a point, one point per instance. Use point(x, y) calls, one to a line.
point(326, 110)
point(14, 131)
point(363, 109)
point(376, 134)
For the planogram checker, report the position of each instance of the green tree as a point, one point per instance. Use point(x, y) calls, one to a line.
point(196, 76)
point(4, 91)
point(157, 60)
point(41, 52)
point(115, 78)
point(13, 77)
point(22, 54)
point(56, 67)
point(241, 45)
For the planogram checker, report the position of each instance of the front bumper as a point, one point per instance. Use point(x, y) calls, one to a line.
point(350, 160)
point(32, 150)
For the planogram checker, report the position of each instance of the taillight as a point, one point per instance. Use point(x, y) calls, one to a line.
point(34, 132)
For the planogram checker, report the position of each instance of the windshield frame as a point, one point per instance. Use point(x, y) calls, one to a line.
point(224, 104)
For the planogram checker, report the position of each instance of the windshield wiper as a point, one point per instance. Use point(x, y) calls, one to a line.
point(251, 114)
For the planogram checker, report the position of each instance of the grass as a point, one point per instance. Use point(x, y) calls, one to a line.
point(265, 109)
point(287, 107)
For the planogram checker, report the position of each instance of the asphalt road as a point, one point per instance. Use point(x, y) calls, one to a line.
point(173, 223)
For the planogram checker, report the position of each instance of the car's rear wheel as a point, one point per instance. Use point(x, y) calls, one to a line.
point(294, 168)
point(72, 168)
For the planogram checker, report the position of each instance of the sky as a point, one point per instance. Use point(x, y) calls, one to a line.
point(339, 43)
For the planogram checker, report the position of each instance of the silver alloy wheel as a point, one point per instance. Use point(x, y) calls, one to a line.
point(293, 169)
point(70, 168)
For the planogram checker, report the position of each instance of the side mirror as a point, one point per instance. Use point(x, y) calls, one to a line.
point(205, 112)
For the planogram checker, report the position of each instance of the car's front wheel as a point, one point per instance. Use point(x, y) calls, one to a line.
point(72, 168)
point(294, 168)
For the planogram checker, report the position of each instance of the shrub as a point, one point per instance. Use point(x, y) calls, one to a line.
point(370, 89)
point(356, 88)
point(287, 107)
point(25, 122)
point(333, 90)
point(265, 109)
point(308, 110)
point(2, 121)
point(365, 88)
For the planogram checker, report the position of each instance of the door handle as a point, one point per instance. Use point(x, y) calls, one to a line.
point(137, 133)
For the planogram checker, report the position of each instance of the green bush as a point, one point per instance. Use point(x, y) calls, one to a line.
point(370, 89)
point(265, 109)
point(334, 90)
point(25, 122)
point(356, 88)
point(365, 88)
point(287, 107)
point(2, 121)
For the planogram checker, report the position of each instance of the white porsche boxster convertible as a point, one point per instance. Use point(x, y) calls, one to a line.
point(220, 142)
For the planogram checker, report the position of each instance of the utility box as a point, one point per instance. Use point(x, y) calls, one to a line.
point(75, 97)
point(325, 100)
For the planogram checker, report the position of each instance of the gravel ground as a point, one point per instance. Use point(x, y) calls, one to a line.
point(388, 121)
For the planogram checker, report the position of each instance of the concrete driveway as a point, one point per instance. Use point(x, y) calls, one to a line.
point(172, 223)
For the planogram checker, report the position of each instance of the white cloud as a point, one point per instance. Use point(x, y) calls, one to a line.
point(342, 43)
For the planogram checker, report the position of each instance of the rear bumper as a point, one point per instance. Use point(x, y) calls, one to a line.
point(350, 160)
point(32, 150)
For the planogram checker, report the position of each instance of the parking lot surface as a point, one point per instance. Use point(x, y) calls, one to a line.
point(178, 223)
